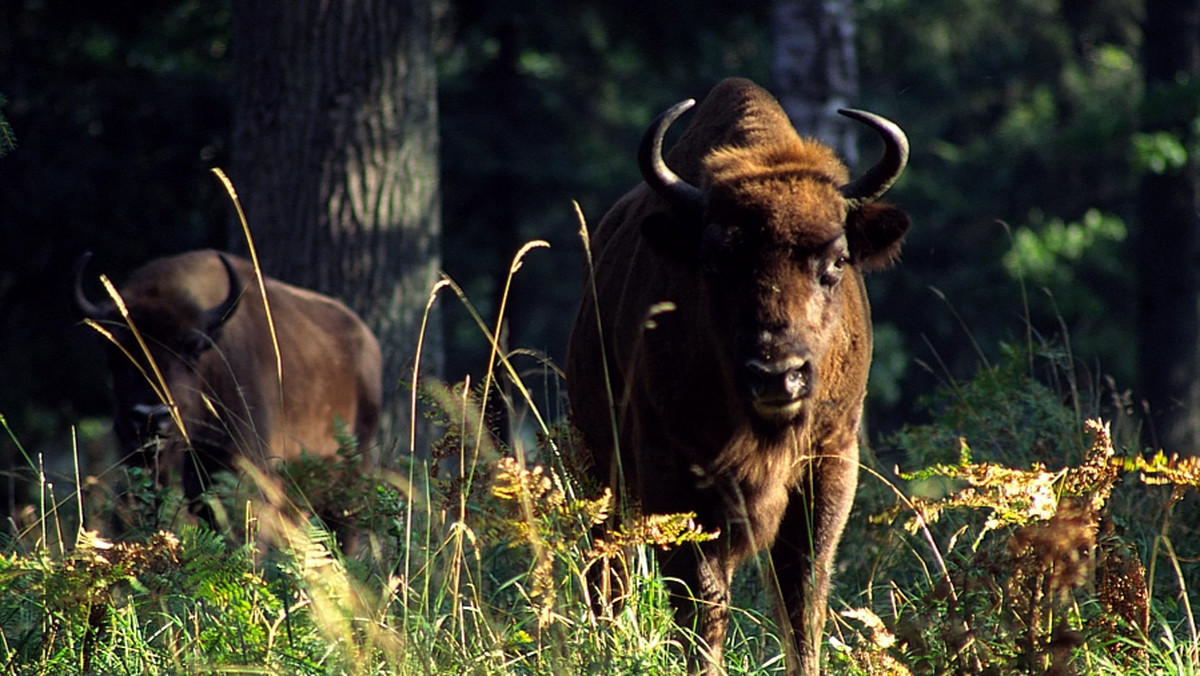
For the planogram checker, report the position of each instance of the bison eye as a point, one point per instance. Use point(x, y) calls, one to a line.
point(192, 348)
point(833, 274)
point(722, 248)
point(721, 238)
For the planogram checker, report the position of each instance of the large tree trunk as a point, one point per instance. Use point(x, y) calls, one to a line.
point(814, 69)
point(335, 161)
point(1170, 231)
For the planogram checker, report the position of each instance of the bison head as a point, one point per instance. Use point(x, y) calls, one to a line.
point(780, 235)
point(175, 333)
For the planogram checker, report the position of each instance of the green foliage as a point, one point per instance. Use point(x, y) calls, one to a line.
point(1018, 542)
point(339, 487)
point(1023, 112)
point(1046, 583)
point(1179, 472)
point(70, 613)
point(8, 140)
point(1049, 254)
point(1021, 566)
point(1018, 112)
point(1159, 152)
point(1009, 415)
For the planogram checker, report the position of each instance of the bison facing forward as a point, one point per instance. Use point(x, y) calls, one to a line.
point(719, 359)
point(208, 334)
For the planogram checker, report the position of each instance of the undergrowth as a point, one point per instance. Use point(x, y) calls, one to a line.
point(1018, 538)
point(1023, 541)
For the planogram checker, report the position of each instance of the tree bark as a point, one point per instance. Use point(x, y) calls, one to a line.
point(814, 69)
point(335, 162)
point(1170, 232)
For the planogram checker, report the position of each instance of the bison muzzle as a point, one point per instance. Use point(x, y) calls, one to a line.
point(718, 362)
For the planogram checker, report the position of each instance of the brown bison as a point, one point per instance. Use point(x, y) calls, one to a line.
point(201, 317)
point(719, 359)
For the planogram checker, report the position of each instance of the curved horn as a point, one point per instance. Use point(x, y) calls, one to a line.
point(655, 171)
point(86, 307)
point(868, 187)
point(215, 317)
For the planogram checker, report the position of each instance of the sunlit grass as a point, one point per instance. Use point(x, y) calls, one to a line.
point(476, 552)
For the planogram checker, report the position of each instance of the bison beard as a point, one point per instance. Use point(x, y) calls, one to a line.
point(742, 403)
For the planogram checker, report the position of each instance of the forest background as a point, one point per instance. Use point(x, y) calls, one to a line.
point(1026, 121)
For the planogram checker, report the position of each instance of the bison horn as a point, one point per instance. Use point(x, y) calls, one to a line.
point(215, 317)
point(681, 194)
point(868, 187)
point(86, 307)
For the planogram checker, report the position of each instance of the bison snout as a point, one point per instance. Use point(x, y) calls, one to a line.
point(151, 419)
point(780, 386)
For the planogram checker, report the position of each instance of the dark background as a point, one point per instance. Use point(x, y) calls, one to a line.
point(1022, 186)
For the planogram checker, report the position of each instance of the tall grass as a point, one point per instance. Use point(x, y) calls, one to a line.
point(1017, 539)
point(475, 560)
point(1025, 535)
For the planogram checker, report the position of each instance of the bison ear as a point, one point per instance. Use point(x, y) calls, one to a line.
point(672, 236)
point(874, 233)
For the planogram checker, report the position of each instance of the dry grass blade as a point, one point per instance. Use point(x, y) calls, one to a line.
point(158, 383)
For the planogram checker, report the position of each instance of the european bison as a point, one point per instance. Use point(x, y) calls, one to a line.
point(201, 316)
point(718, 362)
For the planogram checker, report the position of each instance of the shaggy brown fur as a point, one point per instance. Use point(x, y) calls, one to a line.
point(771, 271)
point(331, 368)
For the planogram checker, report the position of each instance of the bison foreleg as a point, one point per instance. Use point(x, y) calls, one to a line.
point(699, 579)
point(803, 556)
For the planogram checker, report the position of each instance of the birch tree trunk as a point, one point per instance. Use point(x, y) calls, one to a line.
point(814, 70)
point(335, 162)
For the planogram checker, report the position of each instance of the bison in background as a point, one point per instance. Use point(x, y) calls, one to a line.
point(202, 319)
point(718, 362)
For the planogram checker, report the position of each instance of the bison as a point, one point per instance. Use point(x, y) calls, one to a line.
point(208, 334)
point(718, 361)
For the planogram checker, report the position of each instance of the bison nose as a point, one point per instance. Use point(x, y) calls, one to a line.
point(152, 418)
point(780, 382)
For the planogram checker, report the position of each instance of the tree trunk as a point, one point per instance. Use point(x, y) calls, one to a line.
point(814, 69)
point(1168, 251)
point(335, 162)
